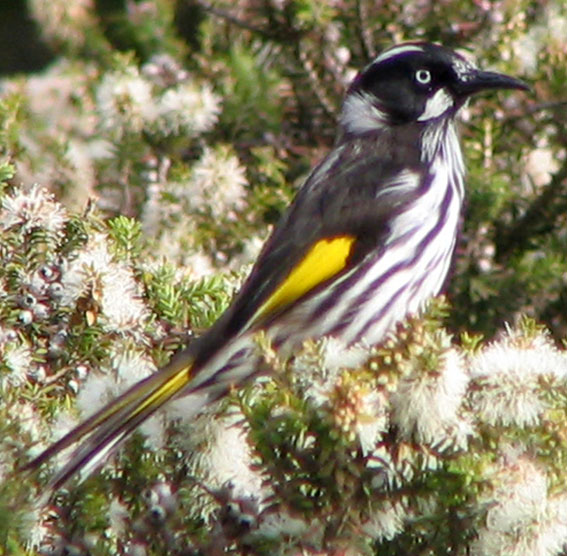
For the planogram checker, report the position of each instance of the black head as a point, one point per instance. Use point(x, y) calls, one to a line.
point(415, 82)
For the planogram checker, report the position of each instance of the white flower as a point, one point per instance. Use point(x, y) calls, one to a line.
point(361, 413)
point(101, 388)
point(175, 245)
point(282, 525)
point(387, 522)
point(164, 70)
point(131, 365)
point(250, 250)
point(67, 20)
point(168, 223)
point(549, 33)
point(199, 265)
point(508, 379)
point(81, 157)
point(319, 365)
point(125, 101)
point(29, 419)
point(223, 456)
point(128, 366)
point(118, 517)
point(541, 164)
point(154, 430)
point(188, 109)
point(527, 47)
point(372, 420)
point(59, 98)
point(357, 409)
point(111, 284)
point(155, 212)
point(36, 208)
point(215, 190)
point(337, 355)
point(217, 183)
point(64, 422)
point(552, 534)
point(427, 404)
point(18, 359)
point(96, 391)
point(522, 519)
point(121, 302)
point(520, 496)
point(34, 529)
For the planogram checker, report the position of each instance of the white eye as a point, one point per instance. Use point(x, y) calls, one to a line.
point(423, 76)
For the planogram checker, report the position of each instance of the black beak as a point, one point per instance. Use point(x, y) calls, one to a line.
point(476, 81)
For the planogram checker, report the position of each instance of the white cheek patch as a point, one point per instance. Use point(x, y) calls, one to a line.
point(360, 114)
point(437, 105)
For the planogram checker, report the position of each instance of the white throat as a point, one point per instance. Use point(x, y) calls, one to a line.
point(437, 105)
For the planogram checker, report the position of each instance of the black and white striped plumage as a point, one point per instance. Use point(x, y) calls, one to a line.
point(368, 239)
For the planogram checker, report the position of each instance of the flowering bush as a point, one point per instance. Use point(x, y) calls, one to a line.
point(140, 173)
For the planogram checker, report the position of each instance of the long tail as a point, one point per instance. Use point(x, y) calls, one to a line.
point(111, 424)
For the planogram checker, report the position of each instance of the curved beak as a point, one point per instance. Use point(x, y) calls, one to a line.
point(476, 81)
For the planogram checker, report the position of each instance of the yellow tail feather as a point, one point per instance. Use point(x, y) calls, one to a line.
point(108, 426)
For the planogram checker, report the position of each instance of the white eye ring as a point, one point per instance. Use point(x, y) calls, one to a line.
point(423, 76)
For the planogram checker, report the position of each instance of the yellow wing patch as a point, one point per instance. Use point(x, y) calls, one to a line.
point(325, 259)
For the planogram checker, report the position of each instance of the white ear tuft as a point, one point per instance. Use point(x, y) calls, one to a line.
point(361, 114)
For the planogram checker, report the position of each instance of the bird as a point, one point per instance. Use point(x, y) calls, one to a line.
point(367, 241)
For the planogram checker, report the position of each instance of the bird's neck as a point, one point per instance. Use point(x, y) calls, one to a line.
point(439, 138)
point(441, 152)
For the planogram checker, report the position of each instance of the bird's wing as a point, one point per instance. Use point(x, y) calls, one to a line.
point(339, 216)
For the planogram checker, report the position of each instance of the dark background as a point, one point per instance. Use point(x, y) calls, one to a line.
point(21, 47)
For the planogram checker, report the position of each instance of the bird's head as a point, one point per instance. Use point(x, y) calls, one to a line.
point(415, 82)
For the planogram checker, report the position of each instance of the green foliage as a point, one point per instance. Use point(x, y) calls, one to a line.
point(249, 110)
point(146, 29)
point(298, 449)
point(10, 112)
point(165, 296)
point(7, 172)
point(187, 303)
point(127, 233)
